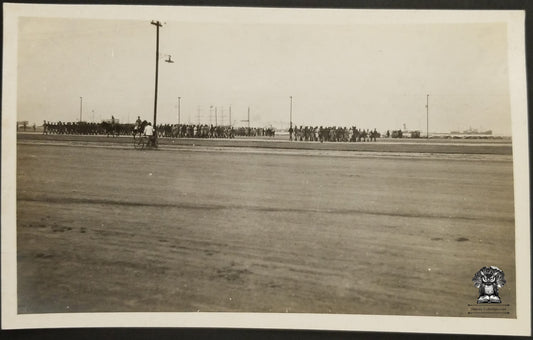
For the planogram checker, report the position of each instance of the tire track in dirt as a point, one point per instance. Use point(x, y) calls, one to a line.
point(202, 207)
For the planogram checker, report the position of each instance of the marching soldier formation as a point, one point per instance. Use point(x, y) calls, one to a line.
point(86, 128)
point(333, 134)
point(162, 130)
point(299, 133)
point(211, 131)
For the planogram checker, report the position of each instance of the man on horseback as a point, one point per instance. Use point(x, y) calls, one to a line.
point(138, 128)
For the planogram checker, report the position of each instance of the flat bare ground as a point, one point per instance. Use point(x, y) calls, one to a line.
point(115, 229)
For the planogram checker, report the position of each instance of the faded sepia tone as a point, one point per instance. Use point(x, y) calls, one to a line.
point(326, 168)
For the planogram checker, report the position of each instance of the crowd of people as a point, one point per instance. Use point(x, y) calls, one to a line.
point(86, 128)
point(296, 133)
point(332, 134)
point(211, 131)
point(163, 130)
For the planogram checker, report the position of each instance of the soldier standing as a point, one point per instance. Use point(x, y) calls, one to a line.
point(290, 132)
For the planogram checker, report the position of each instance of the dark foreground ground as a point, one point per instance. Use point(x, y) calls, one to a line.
point(114, 229)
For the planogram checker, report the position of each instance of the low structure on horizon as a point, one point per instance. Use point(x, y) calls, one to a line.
point(471, 131)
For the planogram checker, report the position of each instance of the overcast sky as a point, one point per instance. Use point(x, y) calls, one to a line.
point(373, 76)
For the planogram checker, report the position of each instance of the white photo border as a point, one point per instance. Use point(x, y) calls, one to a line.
point(384, 323)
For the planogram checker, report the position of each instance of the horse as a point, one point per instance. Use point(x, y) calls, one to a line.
point(139, 129)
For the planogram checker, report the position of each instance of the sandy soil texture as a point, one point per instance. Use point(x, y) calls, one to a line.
point(104, 229)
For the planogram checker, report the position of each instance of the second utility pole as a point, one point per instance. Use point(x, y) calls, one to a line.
point(157, 24)
point(427, 116)
point(290, 122)
point(179, 109)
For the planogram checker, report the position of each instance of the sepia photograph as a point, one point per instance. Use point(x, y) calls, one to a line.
point(265, 167)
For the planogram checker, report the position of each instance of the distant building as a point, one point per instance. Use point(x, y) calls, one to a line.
point(471, 131)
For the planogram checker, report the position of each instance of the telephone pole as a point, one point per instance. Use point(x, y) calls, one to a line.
point(248, 120)
point(230, 115)
point(157, 24)
point(198, 115)
point(81, 107)
point(179, 109)
point(427, 116)
point(290, 118)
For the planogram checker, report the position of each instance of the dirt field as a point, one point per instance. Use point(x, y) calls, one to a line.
point(115, 229)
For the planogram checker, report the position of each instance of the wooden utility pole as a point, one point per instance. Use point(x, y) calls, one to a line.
point(179, 109)
point(248, 120)
point(290, 117)
point(157, 25)
point(198, 115)
point(427, 116)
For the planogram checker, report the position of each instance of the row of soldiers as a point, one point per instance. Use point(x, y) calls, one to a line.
point(332, 134)
point(86, 128)
point(163, 130)
point(210, 131)
point(301, 133)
